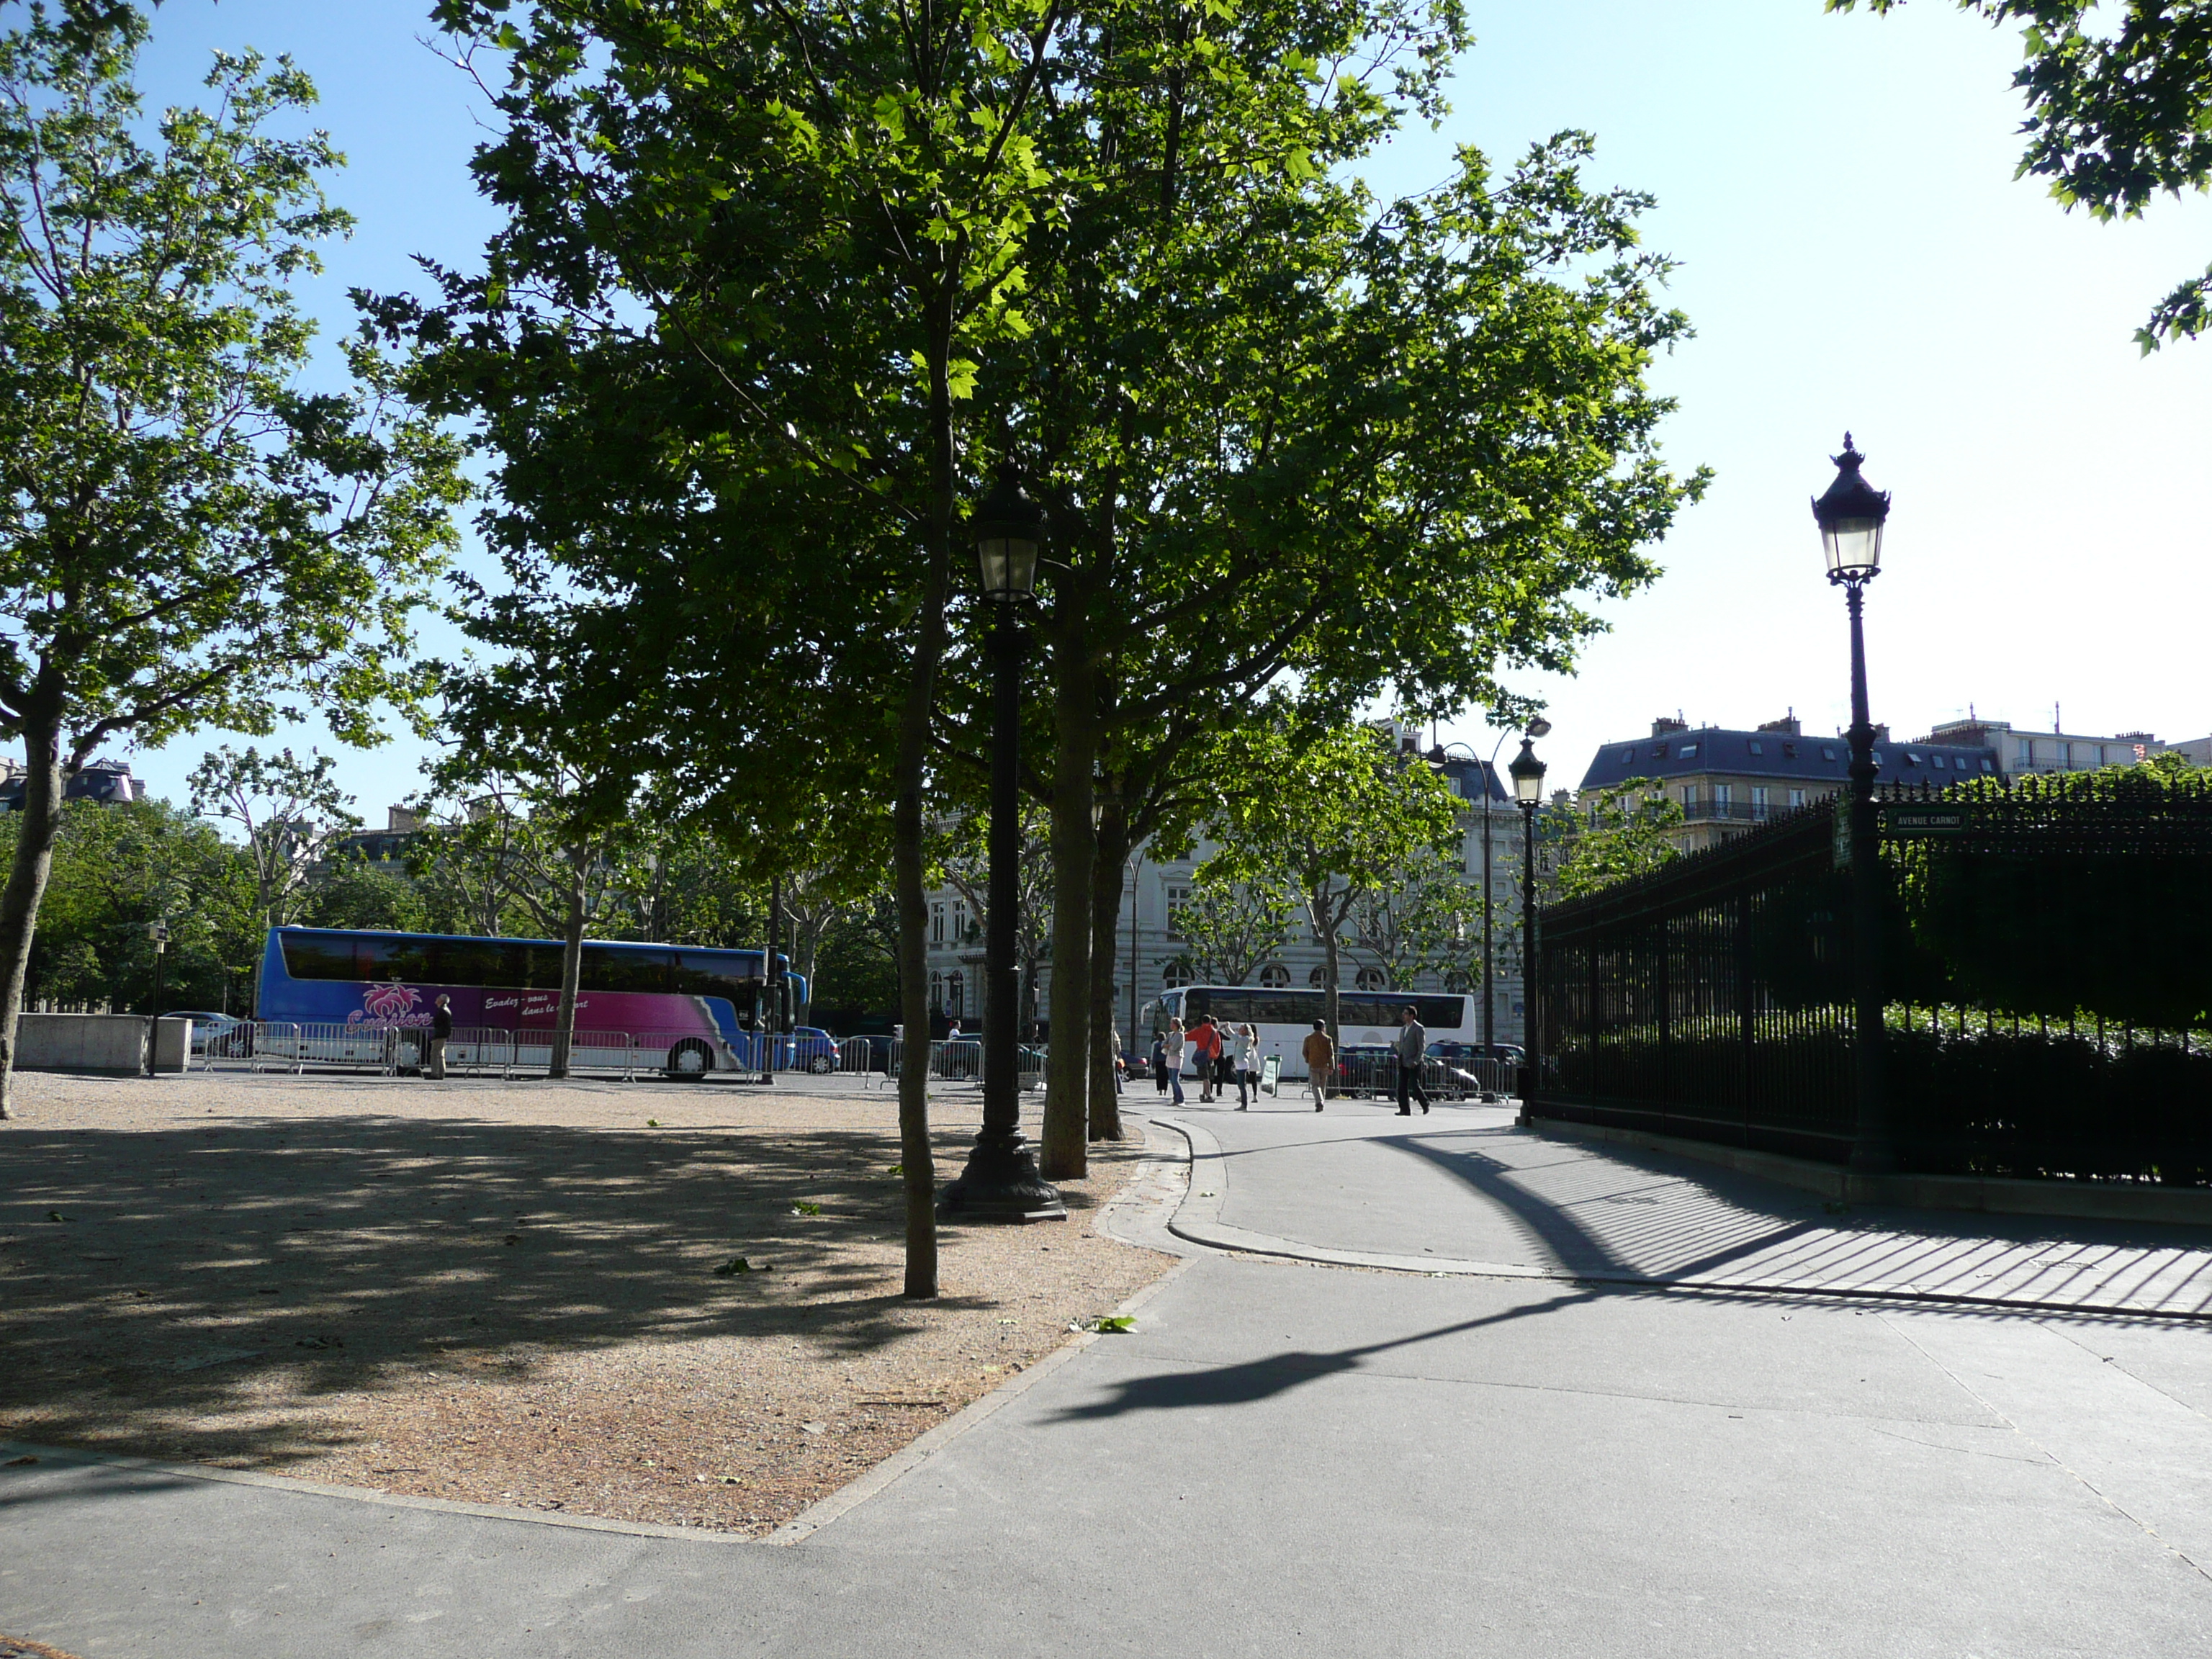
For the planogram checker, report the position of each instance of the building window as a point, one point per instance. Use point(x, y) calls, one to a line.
point(1178, 973)
point(937, 924)
point(960, 920)
point(1827, 751)
point(1936, 761)
point(1372, 979)
point(1689, 751)
point(937, 994)
point(1722, 793)
point(1796, 797)
point(1275, 976)
point(1689, 796)
point(1757, 747)
point(2025, 752)
point(1318, 978)
point(952, 991)
point(1758, 801)
point(1177, 898)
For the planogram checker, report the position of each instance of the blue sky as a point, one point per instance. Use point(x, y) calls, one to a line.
point(1855, 252)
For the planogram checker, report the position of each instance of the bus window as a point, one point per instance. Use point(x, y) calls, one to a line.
point(479, 962)
point(1441, 1013)
point(1197, 1002)
point(317, 956)
point(625, 968)
point(715, 973)
point(397, 957)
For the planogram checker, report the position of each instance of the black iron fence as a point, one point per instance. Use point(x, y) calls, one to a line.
point(2049, 991)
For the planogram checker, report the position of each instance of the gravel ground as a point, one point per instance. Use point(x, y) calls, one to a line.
point(506, 1292)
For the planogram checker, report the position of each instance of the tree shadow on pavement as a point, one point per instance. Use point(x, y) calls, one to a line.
point(1254, 1380)
point(172, 1274)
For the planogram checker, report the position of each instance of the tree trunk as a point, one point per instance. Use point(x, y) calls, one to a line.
point(909, 776)
point(1110, 857)
point(26, 882)
point(572, 968)
point(1075, 718)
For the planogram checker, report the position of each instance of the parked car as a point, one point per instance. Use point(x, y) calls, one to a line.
point(809, 1047)
point(214, 1033)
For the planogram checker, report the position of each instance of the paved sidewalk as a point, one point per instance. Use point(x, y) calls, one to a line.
point(1462, 1190)
point(1287, 1459)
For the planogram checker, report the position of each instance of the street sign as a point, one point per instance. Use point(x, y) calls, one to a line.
point(1913, 821)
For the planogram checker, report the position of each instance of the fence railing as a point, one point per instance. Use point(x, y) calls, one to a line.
point(1713, 998)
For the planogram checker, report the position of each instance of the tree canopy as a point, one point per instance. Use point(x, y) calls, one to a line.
point(2119, 110)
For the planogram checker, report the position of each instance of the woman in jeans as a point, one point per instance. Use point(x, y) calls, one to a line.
point(1175, 1059)
point(1247, 1063)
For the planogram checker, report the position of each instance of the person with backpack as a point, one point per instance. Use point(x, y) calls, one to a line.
point(1206, 1040)
point(1321, 1060)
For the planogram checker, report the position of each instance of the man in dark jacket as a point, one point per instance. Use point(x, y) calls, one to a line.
point(1412, 1048)
point(441, 1030)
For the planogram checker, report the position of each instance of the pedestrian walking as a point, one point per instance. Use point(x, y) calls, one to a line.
point(1175, 1058)
point(1247, 1063)
point(1225, 1061)
point(1413, 1046)
point(1120, 1068)
point(1321, 1060)
point(1205, 1045)
point(1160, 1061)
point(441, 1032)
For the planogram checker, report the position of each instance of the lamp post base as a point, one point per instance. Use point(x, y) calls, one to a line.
point(1000, 1183)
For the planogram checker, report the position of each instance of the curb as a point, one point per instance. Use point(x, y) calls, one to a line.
point(1161, 1157)
point(809, 1520)
point(1197, 1219)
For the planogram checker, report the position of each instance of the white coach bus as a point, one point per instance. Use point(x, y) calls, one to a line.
point(1285, 1017)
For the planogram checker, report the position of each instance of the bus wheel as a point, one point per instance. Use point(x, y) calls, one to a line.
point(690, 1059)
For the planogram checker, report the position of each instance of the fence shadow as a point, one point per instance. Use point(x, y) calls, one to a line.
point(1632, 1211)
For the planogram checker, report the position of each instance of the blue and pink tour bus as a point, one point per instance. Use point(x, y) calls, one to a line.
point(691, 1011)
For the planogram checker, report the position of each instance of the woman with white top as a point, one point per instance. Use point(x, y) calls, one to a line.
point(1247, 1063)
point(1175, 1059)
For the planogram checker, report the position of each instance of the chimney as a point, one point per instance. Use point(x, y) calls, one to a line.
point(1788, 726)
point(1665, 726)
point(401, 821)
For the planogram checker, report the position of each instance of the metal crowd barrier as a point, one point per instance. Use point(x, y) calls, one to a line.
point(961, 1061)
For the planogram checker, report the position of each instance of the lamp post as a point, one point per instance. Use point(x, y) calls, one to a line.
point(1851, 516)
point(159, 932)
point(1002, 1182)
point(1528, 791)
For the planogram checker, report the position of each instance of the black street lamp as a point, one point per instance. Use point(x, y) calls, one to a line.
point(1002, 1182)
point(1851, 516)
point(1528, 791)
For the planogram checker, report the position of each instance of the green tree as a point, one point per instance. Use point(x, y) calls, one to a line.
point(1340, 813)
point(188, 538)
point(291, 813)
point(116, 868)
point(2119, 110)
point(1420, 917)
point(349, 891)
point(1229, 928)
point(1611, 835)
